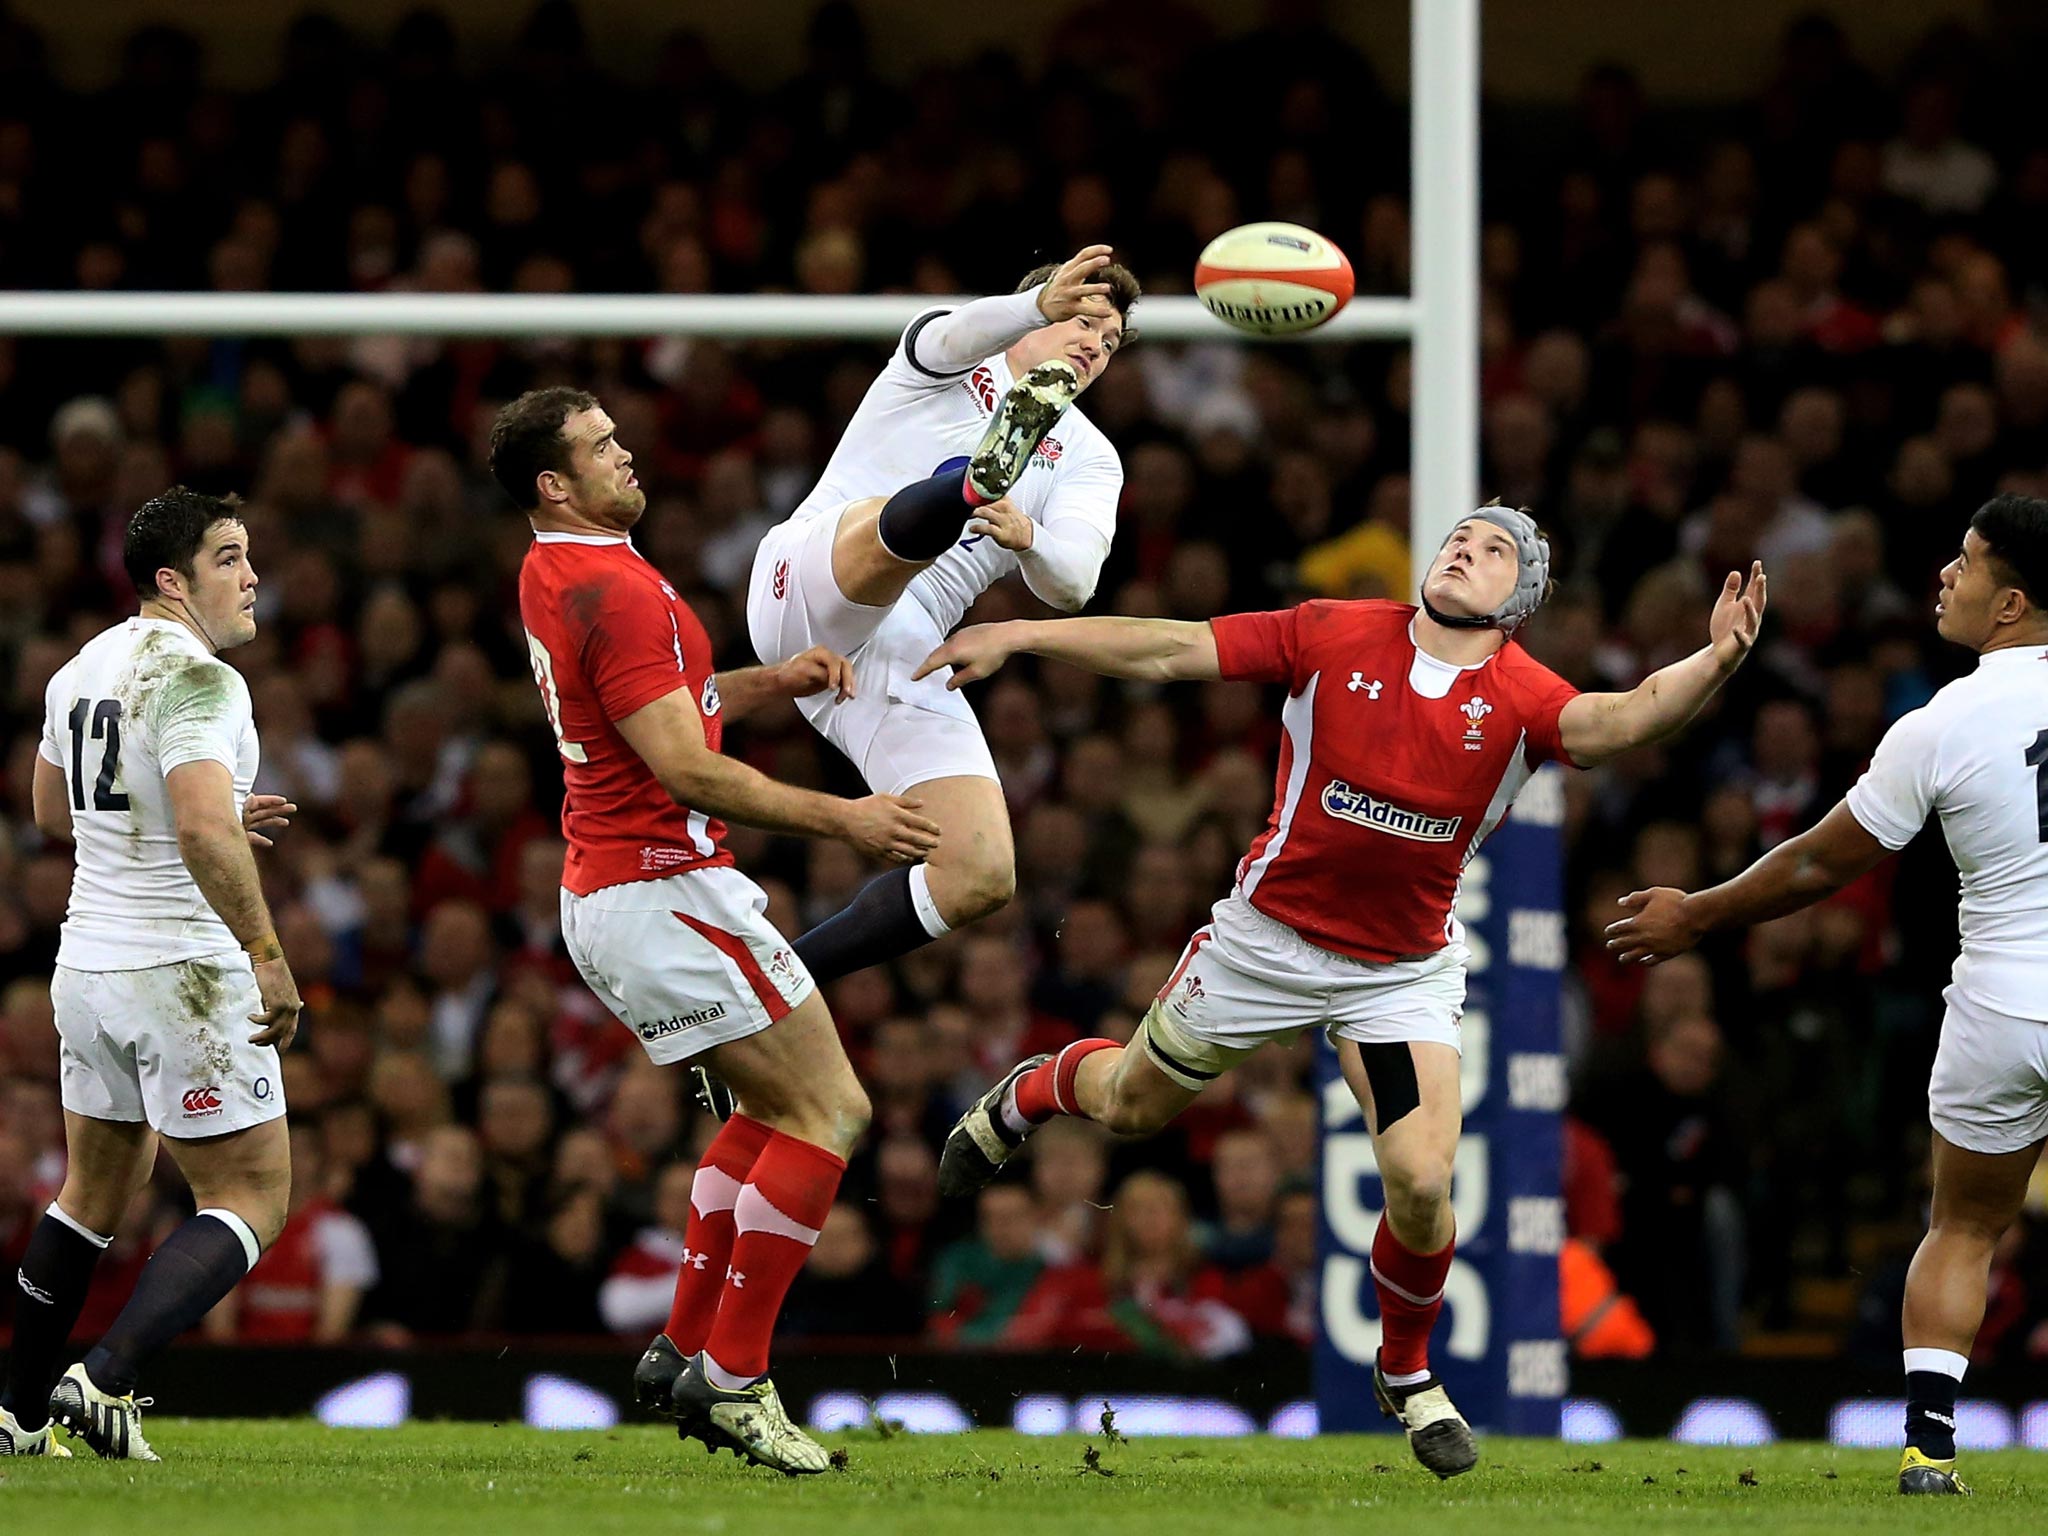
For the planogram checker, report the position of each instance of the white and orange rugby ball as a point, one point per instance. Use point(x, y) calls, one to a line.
point(1272, 279)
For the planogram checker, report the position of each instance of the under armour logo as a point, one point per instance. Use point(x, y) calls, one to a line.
point(1372, 689)
point(735, 1279)
point(696, 1260)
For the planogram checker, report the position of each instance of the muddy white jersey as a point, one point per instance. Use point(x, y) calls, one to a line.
point(141, 699)
point(1976, 755)
point(917, 420)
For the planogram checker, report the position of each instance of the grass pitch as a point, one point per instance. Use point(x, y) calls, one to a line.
point(301, 1479)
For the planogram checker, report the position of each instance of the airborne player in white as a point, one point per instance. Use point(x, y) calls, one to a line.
point(1976, 755)
point(172, 994)
point(948, 478)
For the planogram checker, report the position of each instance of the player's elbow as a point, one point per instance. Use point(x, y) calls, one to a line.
point(201, 836)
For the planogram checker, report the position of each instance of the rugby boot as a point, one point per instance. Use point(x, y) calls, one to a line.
point(1019, 425)
point(980, 1143)
point(1437, 1433)
point(111, 1425)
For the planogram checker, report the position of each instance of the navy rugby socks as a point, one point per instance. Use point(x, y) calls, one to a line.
point(922, 520)
point(883, 921)
point(197, 1265)
point(55, 1274)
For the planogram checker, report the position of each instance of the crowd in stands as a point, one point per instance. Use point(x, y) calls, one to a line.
point(1811, 327)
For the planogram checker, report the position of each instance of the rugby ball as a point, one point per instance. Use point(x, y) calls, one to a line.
point(1272, 279)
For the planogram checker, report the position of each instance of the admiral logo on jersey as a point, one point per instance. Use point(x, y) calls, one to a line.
point(1348, 804)
point(661, 1029)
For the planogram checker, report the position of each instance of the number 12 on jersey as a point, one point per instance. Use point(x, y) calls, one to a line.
point(544, 676)
point(105, 716)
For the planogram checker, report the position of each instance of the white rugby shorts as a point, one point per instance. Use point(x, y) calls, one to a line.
point(1245, 979)
point(897, 732)
point(168, 1045)
point(1989, 1088)
point(686, 963)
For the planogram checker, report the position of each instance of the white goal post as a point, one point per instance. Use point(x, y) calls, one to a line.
point(1440, 320)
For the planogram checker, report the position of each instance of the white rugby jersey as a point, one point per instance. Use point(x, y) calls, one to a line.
point(1977, 754)
point(918, 417)
point(141, 699)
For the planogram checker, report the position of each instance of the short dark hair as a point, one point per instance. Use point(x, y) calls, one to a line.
point(1124, 291)
point(527, 439)
point(2015, 528)
point(169, 530)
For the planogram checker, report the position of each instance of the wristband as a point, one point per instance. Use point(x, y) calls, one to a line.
point(265, 949)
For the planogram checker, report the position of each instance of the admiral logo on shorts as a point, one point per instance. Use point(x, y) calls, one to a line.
point(201, 1102)
point(1355, 805)
point(675, 1024)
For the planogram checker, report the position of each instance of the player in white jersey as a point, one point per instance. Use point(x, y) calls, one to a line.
point(962, 465)
point(1976, 755)
point(172, 993)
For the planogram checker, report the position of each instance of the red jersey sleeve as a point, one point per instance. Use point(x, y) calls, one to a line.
point(1258, 647)
point(632, 653)
point(1544, 696)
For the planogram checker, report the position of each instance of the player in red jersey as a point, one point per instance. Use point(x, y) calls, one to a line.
point(1408, 734)
point(667, 933)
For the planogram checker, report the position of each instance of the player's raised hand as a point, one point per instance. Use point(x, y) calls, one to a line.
point(1738, 613)
point(888, 827)
point(279, 1020)
point(1657, 929)
point(1005, 522)
point(973, 653)
point(814, 671)
point(1073, 291)
point(265, 813)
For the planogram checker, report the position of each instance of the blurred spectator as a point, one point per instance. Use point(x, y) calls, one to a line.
point(979, 1282)
point(1150, 1292)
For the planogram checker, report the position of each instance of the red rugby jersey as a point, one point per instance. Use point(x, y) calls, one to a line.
point(1384, 792)
point(608, 636)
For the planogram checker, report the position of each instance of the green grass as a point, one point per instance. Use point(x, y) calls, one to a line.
point(299, 1479)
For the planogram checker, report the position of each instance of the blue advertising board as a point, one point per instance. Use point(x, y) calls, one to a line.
point(1497, 1345)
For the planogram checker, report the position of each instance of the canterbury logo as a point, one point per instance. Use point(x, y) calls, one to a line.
point(202, 1101)
point(780, 585)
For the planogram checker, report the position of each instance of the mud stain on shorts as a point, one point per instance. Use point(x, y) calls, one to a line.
point(203, 991)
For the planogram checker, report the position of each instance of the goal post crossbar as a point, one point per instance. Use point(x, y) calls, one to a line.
point(854, 317)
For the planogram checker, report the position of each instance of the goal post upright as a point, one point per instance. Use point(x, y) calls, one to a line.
point(1444, 260)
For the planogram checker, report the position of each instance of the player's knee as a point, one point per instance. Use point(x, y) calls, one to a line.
point(980, 886)
point(1419, 1190)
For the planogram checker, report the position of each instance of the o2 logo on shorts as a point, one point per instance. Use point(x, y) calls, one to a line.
point(261, 1088)
point(201, 1102)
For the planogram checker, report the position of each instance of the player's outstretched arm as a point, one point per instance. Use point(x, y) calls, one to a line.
point(952, 342)
point(1596, 726)
point(669, 736)
point(1156, 650)
point(745, 689)
point(1797, 873)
